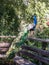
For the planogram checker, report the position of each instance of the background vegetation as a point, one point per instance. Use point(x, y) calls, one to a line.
point(13, 12)
point(16, 14)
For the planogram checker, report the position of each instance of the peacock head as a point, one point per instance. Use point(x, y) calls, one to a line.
point(34, 17)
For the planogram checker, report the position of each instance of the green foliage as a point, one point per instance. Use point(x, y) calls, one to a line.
point(9, 21)
point(12, 12)
point(43, 33)
point(37, 7)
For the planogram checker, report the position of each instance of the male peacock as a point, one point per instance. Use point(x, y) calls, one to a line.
point(31, 27)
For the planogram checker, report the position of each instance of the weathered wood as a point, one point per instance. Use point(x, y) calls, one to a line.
point(3, 56)
point(20, 61)
point(35, 53)
point(34, 56)
point(44, 41)
point(42, 52)
point(38, 39)
point(7, 36)
point(3, 50)
point(4, 45)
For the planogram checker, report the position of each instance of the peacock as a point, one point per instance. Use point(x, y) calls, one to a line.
point(30, 27)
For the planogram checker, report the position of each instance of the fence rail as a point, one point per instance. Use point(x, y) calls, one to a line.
point(44, 41)
point(7, 36)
